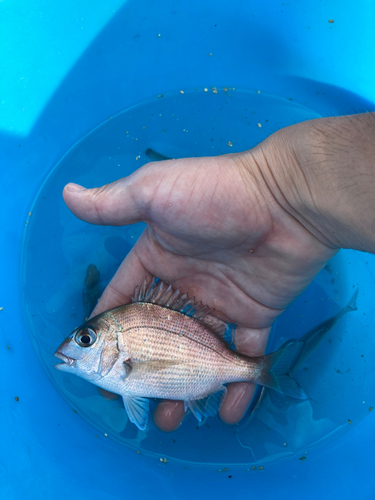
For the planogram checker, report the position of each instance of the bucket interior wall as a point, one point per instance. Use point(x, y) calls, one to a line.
point(67, 68)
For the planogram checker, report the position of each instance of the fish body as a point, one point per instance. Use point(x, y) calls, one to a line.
point(164, 345)
point(91, 289)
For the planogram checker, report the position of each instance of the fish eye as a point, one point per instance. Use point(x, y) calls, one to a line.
point(85, 337)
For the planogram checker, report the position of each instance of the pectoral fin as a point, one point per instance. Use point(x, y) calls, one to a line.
point(137, 410)
point(208, 406)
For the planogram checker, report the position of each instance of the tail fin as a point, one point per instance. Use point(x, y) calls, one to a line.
point(352, 304)
point(276, 368)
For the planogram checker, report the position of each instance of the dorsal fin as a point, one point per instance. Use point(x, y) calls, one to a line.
point(220, 327)
point(162, 294)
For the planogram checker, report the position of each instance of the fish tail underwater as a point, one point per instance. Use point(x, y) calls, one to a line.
point(313, 338)
point(276, 368)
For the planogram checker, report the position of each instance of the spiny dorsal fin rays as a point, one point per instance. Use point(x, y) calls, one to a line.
point(153, 291)
point(140, 291)
point(218, 326)
point(173, 298)
point(165, 296)
point(162, 294)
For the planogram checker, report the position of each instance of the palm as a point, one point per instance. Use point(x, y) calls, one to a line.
point(216, 232)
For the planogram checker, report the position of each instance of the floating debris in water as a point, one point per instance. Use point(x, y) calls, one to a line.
point(1, 308)
point(17, 398)
point(349, 421)
point(302, 458)
point(259, 125)
point(371, 408)
point(331, 21)
point(230, 144)
point(164, 460)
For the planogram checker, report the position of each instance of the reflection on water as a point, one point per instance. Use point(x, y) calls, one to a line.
point(288, 426)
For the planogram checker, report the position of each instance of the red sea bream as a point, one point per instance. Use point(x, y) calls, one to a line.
point(164, 345)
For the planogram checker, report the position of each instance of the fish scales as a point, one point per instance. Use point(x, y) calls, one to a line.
point(151, 332)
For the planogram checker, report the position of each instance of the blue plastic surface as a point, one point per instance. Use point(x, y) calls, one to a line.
point(67, 68)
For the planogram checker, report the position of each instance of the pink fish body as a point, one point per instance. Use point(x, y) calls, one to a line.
point(164, 345)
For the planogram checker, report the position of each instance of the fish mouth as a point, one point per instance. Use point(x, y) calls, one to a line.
point(65, 359)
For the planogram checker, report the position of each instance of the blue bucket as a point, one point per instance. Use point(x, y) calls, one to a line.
point(87, 90)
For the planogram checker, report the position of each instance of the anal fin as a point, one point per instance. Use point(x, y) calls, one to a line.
point(208, 406)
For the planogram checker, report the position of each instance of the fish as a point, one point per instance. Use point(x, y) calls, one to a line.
point(165, 345)
point(314, 337)
point(91, 289)
point(311, 341)
point(155, 156)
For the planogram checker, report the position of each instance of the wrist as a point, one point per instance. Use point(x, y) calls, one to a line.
point(322, 172)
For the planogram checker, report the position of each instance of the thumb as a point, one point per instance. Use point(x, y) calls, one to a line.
point(119, 203)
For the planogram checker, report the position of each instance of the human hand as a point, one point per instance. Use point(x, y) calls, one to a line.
point(222, 229)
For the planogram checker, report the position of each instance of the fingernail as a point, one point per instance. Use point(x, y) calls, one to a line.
point(74, 188)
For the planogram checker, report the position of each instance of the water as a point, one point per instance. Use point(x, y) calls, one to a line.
point(58, 248)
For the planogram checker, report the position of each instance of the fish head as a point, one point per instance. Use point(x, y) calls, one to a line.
point(90, 351)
